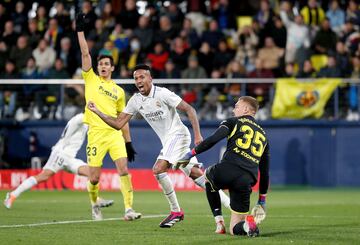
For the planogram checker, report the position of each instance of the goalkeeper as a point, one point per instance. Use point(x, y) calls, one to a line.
point(247, 152)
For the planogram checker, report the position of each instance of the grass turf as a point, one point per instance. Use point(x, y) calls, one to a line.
point(295, 216)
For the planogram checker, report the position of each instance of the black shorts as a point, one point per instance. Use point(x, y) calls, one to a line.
point(237, 180)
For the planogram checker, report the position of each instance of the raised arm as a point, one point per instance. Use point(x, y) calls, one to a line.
point(85, 55)
point(118, 123)
point(191, 113)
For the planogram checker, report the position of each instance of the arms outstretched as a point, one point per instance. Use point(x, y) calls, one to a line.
point(117, 123)
point(85, 55)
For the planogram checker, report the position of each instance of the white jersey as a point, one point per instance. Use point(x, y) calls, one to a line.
point(72, 137)
point(159, 110)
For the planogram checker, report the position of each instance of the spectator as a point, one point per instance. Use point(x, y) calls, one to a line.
point(278, 33)
point(313, 14)
point(353, 13)
point(223, 55)
point(158, 59)
point(166, 33)
point(265, 17)
point(336, 16)
point(8, 93)
point(19, 17)
point(307, 71)
point(170, 71)
point(107, 16)
point(68, 55)
point(44, 56)
point(90, 16)
point(110, 49)
point(193, 70)
point(53, 34)
point(343, 59)
point(179, 54)
point(206, 57)
point(100, 35)
point(9, 36)
point(129, 16)
point(34, 35)
point(21, 53)
point(30, 71)
point(353, 112)
point(41, 19)
point(260, 91)
point(224, 14)
point(235, 70)
point(144, 33)
point(298, 40)
point(175, 15)
point(4, 55)
point(213, 35)
point(325, 39)
point(270, 55)
point(331, 70)
point(4, 16)
point(246, 51)
point(62, 16)
point(189, 34)
point(58, 71)
point(289, 70)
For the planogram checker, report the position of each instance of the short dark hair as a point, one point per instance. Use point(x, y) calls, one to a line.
point(142, 67)
point(103, 56)
point(254, 104)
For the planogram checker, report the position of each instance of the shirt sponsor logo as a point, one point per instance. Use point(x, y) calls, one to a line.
point(105, 92)
point(154, 116)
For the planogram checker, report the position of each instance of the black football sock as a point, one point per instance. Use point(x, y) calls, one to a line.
point(213, 199)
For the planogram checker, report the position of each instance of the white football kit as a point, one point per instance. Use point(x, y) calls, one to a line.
point(63, 153)
point(159, 110)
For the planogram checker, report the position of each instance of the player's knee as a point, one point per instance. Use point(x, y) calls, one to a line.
point(196, 172)
point(94, 179)
point(158, 169)
point(238, 229)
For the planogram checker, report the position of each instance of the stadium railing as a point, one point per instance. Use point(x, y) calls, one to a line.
point(338, 103)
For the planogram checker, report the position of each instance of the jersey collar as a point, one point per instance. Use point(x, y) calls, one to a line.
point(152, 92)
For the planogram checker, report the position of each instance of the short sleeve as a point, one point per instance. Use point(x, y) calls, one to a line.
point(89, 75)
point(131, 107)
point(170, 98)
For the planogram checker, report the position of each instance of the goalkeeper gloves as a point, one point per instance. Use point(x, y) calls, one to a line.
point(130, 151)
point(80, 22)
point(259, 211)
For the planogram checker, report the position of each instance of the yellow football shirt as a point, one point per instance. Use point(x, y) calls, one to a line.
point(106, 94)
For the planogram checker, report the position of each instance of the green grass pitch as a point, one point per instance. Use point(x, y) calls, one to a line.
point(295, 216)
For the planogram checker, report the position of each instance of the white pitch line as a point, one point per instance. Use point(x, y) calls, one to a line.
point(75, 221)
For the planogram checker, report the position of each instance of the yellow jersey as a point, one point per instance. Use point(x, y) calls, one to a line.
point(106, 94)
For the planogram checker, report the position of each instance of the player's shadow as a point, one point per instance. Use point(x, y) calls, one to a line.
point(310, 228)
point(296, 164)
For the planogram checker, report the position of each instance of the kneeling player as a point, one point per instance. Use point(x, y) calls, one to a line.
point(247, 152)
point(63, 156)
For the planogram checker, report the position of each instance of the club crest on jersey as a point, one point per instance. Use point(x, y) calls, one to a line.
point(158, 104)
point(105, 92)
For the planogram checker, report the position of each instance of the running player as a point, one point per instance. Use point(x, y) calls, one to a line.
point(247, 152)
point(159, 108)
point(103, 139)
point(62, 157)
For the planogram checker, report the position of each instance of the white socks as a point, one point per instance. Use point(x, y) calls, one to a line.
point(26, 185)
point(225, 200)
point(168, 189)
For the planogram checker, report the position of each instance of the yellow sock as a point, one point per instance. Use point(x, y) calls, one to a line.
point(93, 191)
point(127, 190)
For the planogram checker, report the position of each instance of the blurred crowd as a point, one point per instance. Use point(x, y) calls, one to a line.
point(178, 39)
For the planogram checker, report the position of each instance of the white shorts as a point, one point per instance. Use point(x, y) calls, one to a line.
point(58, 161)
point(175, 148)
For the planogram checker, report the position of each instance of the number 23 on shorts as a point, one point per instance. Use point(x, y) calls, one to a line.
point(91, 151)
